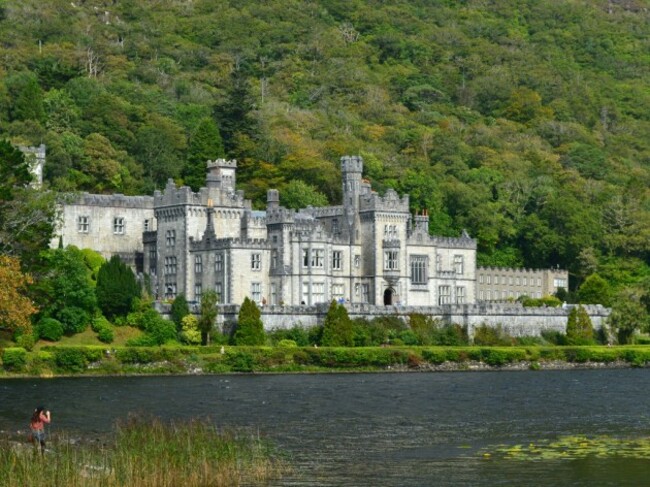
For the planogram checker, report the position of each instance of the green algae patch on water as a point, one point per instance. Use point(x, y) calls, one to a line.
point(572, 448)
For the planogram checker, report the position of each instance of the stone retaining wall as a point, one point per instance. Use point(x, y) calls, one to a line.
point(515, 319)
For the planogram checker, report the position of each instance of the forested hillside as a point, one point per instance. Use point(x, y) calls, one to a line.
point(526, 122)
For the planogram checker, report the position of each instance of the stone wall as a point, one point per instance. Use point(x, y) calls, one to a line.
point(515, 319)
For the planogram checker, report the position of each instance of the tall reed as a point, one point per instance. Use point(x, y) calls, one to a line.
point(145, 453)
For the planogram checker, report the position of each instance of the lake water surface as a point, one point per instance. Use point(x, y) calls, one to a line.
point(409, 429)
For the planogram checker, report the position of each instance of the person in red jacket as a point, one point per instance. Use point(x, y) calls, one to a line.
point(40, 417)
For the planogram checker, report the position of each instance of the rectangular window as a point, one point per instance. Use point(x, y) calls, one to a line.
point(305, 257)
point(512, 281)
point(153, 257)
point(335, 227)
point(218, 289)
point(170, 238)
point(439, 264)
point(198, 290)
point(218, 262)
point(357, 289)
point(458, 264)
point(256, 262)
point(274, 259)
point(557, 282)
point(170, 265)
point(481, 279)
point(274, 294)
point(256, 291)
point(198, 264)
point(337, 291)
point(317, 257)
point(336, 260)
point(118, 225)
point(460, 295)
point(539, 281)
point(83, 224)
point(496, 279)
point(444, 294)
point(305, 293)
point(488, 295)
point(480, 295)
point(391, 260)
point(418, 269)
point(517, 281)
point(147, 225)
point(357, 260)
point(489, 279)
point(525, 281)
point(317, 292)
point(365, 293)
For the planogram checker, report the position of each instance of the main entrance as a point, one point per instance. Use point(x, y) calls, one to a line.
point(389, 296)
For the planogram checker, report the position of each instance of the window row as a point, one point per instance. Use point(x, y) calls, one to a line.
point(119, 224)
point(445, 295)
point(509, 280)
point(496, 295)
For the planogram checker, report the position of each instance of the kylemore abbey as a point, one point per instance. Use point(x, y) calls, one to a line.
point(369, 252)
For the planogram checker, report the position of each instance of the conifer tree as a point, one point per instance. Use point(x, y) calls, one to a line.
point(179, 310)
point(579, 330)
point(205, 144)
point(337, 328)
point(250, 329)
point(116, 288)
point(208, 315)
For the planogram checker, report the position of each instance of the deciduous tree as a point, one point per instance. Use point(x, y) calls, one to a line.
point(16, 307)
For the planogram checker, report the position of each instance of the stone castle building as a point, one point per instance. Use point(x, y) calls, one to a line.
point(368, 250)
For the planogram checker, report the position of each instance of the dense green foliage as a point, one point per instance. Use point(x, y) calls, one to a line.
point(179, 310)
point(337, 327)
point(64, 289)
point(116, 288)
point(156, 359)
point(524, 122)
point(208, 315)
point(579, 329)
point(249, 330)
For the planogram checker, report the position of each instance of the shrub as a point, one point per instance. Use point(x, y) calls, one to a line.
point(579, 330)
point(74, 319)
point(190, 330)
point(98, 323)
point(491, 336)
point(297, 333)
point(14, 359)
point(250, 329)
point(106, 334)
point(26, 341)
point(337, 327)
point(179, 310)
point(50, 329)
point(70, 359)
point(116, 288)
point(286, 343)
point(240, 361)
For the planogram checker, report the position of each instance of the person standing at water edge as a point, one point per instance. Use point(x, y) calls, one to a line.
point(37, 425)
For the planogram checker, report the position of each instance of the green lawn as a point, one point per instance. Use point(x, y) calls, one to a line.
point(89, 337)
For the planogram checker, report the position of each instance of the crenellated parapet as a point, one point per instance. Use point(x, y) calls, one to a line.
point(222, 163)
point(390, 202)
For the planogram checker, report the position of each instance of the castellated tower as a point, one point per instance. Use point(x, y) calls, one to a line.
point(351, 170)
point(222, 174)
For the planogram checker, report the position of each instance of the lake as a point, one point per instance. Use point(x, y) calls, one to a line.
point(384, 429)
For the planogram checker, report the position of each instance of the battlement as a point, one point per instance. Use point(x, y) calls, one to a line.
point(223, 163)
point(352, 164)
point(389, 202)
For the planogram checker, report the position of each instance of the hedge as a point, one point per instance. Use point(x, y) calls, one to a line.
point(14, 359)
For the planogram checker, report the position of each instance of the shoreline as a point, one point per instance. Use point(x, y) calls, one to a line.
point(470, 366)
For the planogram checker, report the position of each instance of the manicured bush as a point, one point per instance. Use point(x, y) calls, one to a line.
point(434, 355)
point(250, 329)
point(287, 343)
point(70, 360)
point(14, 359)
point(50, 329)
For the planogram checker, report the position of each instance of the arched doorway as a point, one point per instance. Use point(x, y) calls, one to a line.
point(389, 295)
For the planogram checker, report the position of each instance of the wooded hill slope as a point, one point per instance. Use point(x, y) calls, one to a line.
point(525, 122)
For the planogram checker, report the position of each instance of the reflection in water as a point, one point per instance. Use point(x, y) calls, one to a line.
point(377, 429)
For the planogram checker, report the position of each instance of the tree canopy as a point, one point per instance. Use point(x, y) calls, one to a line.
point(525, 122)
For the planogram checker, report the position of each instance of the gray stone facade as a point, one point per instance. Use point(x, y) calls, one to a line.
point(368, 250)
point(503, 284)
